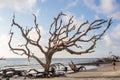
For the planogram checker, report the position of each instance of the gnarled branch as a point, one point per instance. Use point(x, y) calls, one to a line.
point(25, 34)
point(63, 36)
point(69, 35)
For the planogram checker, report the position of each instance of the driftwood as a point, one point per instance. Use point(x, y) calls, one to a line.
point(37, 74)
point(52, 73)
point(93, 63)
point(59, 66)
point(10, 72)
point(98, 62)
point(81, 68)
point(75, 68)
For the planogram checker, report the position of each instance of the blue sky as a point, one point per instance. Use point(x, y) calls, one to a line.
point(46, 10)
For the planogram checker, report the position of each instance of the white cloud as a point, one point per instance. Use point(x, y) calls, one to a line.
point(18, 5)
point(97, 17)
point(1, 19)
point(4, 49)
point(77, 20)
point(110, 8)
point(36, 12)
point(17, 40)
point(105, 6)
point(34, 36)
point(113, 39)
point(72, 4)
point(115, 15)
point(108, 40)
point(3, 40)
point(116, 32)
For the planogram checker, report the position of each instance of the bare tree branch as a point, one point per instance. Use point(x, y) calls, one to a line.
point(61, 39)
point(63, 36)
point(25, 34)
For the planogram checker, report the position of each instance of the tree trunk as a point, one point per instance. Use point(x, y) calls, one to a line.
point(47, 66)
point(46, 71)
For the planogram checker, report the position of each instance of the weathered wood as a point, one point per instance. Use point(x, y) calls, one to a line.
point(75, 68)
point(63, 36)
point(93, 63)
point(10, 72)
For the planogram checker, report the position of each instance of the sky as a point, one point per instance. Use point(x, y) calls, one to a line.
point(46, 10)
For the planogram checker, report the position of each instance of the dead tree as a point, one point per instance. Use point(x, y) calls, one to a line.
point(63, 36)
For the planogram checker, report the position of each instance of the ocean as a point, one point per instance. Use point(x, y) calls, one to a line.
point(24, 64)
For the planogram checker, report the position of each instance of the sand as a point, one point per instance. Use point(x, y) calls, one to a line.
point(101, 73)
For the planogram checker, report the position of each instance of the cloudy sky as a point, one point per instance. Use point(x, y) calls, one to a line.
point(46, 10)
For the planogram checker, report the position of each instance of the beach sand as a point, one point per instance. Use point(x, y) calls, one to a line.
point(101, 73)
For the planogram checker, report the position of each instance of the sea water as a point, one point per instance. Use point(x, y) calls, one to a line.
point(24, 64)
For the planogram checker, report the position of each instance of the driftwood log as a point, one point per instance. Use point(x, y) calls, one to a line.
point(10, 72)
point(75, 68)
point(52, 73)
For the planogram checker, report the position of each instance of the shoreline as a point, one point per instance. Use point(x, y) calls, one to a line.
point(101, 73)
